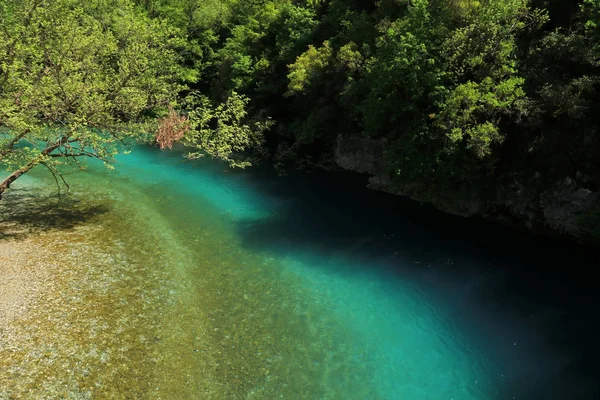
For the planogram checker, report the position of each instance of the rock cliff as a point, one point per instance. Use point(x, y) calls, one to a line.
point(560, 208)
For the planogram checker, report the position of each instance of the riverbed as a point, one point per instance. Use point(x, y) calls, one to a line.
point(172, 279)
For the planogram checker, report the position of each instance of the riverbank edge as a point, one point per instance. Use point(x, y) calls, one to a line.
point(567, 209)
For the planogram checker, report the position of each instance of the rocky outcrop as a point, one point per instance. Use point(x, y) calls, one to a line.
point(366, 156)
point(467, 206)
point(554, 207)
point(562, 203)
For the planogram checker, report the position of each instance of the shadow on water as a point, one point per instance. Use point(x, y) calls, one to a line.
point(542, 286)
point(25, 211)
point(337, 213)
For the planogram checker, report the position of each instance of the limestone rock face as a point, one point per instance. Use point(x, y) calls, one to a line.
point(562, 203)
point(521, 201)
point(360, 155)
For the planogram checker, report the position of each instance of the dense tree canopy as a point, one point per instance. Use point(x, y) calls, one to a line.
point(462, 91)
point(79, 77)
point(456, 88)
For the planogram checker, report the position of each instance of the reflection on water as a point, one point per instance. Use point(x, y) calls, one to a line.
point(185, 280)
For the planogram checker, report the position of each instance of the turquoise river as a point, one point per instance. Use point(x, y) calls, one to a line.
point(171, 279)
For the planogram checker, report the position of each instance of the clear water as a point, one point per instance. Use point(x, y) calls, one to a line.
point(311, 287)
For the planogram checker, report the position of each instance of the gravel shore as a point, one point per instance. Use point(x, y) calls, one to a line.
point(23, 279)
point(74, 322)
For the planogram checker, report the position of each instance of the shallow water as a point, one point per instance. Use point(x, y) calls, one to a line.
point(222, 284)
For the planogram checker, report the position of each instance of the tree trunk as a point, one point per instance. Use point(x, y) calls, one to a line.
point(13, 177)
point(18, 173)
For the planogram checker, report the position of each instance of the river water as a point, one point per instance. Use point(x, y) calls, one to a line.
point(245, 285)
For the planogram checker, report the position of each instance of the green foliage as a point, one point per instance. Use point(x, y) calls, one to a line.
point(591, 11)
point(224, 131)
point(463, 91)
point(349, 57)
point(308, 67)
point(263, 38)
point(562, 67)
point(79, 77)
point(471, 113)
point(292, 29)
point(404, 76)
point(443, 80)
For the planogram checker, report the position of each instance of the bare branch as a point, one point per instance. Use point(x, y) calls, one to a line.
point(56, 173)
point(171, 129)
point(53, 175)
